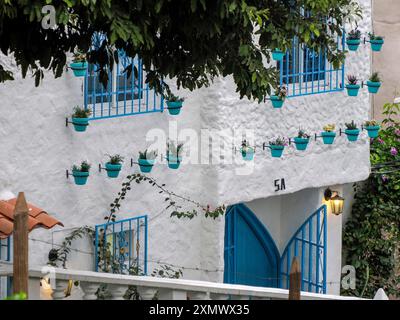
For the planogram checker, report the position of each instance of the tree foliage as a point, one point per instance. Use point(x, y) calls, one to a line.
point(191, 41)
point(372, 235)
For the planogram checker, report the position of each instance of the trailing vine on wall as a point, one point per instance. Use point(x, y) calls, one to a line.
point(371, 237)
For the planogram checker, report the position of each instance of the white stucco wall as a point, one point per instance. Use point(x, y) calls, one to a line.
point(37, 148)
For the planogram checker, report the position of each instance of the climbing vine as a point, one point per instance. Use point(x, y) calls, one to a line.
point(173, 201)
point(371, 236)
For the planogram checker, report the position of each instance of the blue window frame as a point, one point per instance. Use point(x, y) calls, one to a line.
point(124, 95)
point(121, 246)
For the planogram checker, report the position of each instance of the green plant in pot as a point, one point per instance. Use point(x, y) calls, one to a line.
point(352, 131)
point(80, 118)
point(374, 83)
point(146, 160)
point(353, 39)
point(329, 134)
point(352, 86)
point(174, 154)
point(174, 103)
point(302, 139)
point(247, 151)
point(114, 165)
point(277, 145)
point(375, 41)
point(372, 128)
point(79, 64)
point(279, 97)
point(81, 173)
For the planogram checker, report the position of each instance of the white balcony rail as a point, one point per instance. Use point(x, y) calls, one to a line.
point(149, 287)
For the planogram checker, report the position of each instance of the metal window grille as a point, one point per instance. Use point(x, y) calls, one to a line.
point(5, 255)
point(121, 246)
point(309, 245)
point(123, 96)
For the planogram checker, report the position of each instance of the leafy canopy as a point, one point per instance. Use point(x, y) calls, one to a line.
point(190, 41)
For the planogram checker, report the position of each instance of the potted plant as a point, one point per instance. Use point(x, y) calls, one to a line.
point(278, 98)
point(174, 154)
point(146, 160)
point(375, 41)
point(174, 104)
point(79, 64)
point(372, 128)
point(277, 54)
point(353, 39)
point(277, 145)
point(301, 141)
point(114, 165)
point(80, 118)
point(374, 82)
point(352, 87)
point(81, 173)
point(247, 151)
point(329, 134)
point(352, 131)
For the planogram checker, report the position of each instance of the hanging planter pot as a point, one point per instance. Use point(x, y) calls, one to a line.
point(372, 128)
point(79, 68)
point(373, 87)
point(173, 154)
point(81, 173)
point(277, 55)
point(247, 153)
point(174, 107)
point(277, 102)
point(328, 137)
point(301, 143)
point(146, 165)
point(376, 43)
point(352, 134)
point(352, 89)
point(80, 118)
point(113, 169)
point(173, 161)
point(353, 44)
point(276, 151)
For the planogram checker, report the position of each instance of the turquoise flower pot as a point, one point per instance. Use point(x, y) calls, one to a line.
point(373, 86)
point(80, 124)
point(277, 55)
point(277, 102)
point(301, 143)
point(79, 68)
point(352, 89)
point(247, 155)
point(146, 165)
point(113, 170)
point(173, 161)
point(373, 131)
point(352, 135)
point(174, 107)
point(353, 44)
point(328, 137)
point(276, 151)
point(376, 45)
point(80, 177)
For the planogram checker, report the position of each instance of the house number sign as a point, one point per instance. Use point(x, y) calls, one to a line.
point(279, 184)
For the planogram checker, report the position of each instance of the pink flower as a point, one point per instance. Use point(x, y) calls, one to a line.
point(397, 132)
point(380, 141)
point(393, 151)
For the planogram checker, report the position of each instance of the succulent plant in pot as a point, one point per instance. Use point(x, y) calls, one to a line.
point(81, 173)
point(79, 64)
point(174, 103)
point(375, 41)
point(174, 154)
point(247, 151)
point(353, 39)
point(279, 97)
point(352, 86)
point(277, 146)
point(114, 165)
point(374, 83)
point(372, 128)
point(277, 54)
point(302, 139)
point(352, 131)
point(329, 134)
point(80, 118)
point(146, 160)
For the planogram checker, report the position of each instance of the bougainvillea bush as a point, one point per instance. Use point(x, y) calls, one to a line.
point(371, 236)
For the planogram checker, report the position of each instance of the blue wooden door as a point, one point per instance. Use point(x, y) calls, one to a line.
point(251, 256)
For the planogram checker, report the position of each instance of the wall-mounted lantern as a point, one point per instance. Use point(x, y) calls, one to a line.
point(336, 201)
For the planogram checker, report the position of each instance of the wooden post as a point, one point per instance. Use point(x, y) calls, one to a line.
point(294, 280)
point(20, 253)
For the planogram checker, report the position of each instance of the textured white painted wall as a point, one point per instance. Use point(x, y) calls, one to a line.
point(37, 148)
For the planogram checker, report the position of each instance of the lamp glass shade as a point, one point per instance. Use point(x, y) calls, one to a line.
point(337, 203)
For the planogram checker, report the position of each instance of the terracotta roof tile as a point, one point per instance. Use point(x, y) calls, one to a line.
point(37, 218)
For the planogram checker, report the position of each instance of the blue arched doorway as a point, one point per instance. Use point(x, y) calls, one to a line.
point(251, 256)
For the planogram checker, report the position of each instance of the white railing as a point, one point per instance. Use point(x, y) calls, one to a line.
point(149, 287)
